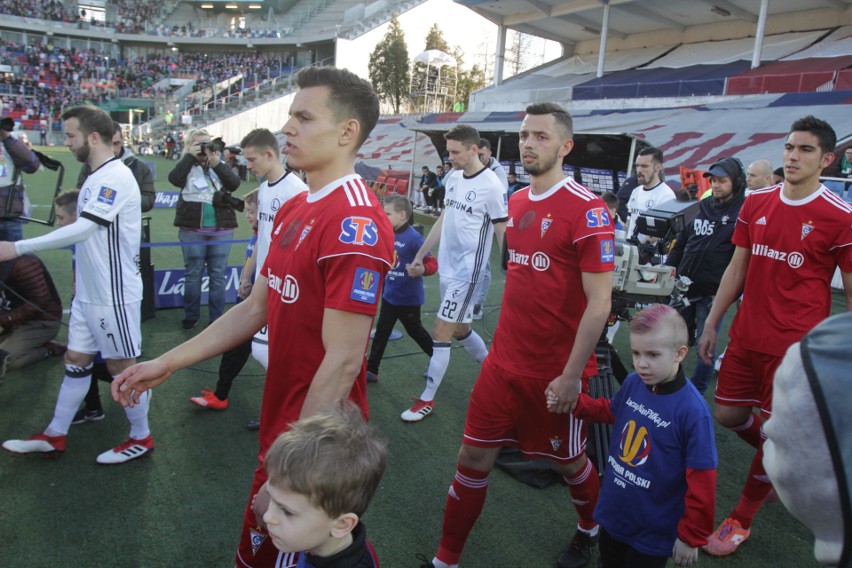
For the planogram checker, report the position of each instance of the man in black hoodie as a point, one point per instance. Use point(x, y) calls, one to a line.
point(704, 249)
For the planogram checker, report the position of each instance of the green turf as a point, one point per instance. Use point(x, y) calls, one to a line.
point(183, 507)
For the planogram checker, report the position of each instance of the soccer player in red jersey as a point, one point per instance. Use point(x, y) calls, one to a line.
point(555, 304)
point(319, 287)
point(789, 240)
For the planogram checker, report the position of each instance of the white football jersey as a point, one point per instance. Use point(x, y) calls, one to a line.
point(107, 263)
point(471, 205)
point(643, 199)
point(270, 197)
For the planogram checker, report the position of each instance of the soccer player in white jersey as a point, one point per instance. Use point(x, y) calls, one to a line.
point(474, 213)
point(652, 190)
point(261, 150)
point(105, 314)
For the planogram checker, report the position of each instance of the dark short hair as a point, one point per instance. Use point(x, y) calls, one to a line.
point(116, 128)
point(819, 128)
point(610, 199)
point(560, 115)
point(484, 143)
point(261, 138)
point(655, 153)
point(67, 199)
point(91, 119)
point(467, 135)
point(351, 96)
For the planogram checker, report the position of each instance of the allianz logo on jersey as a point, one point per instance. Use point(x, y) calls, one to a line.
point(286, 287)
point(538, 260)
point(452, 203)
point(793, 259)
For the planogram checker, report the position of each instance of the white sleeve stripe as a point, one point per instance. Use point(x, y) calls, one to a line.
point(365, 193)
point(841, 246)
point(353, 187)
point(354, 252)
point(835, 200)
point(611, 235)
point(349, 195)
point(578, 190)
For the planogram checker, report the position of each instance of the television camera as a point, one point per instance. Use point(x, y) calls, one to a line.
point(641, 275)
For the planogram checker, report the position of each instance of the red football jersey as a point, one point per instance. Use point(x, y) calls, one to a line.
point(552, 238)
point(329, 249)
point(795, 248)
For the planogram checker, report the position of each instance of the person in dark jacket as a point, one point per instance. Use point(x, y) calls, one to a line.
point(30, 313)
point(141, 171)
point(205, 215)
point(703, 249)
point(15, 157)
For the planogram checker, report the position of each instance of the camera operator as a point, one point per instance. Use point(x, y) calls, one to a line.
point(140, 170)
point(15, 157)
point(703, 250)
point(30, 314)
point(205, 215)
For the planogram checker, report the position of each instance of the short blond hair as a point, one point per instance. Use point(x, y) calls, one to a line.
point(250, 198)
point(334, 459)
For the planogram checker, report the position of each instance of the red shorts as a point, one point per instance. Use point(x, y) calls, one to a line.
point(746, 377)
point(507, 409)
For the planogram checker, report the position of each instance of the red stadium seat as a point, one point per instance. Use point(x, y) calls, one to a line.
point(402, 186)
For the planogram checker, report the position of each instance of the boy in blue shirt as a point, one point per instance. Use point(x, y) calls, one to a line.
point(403, 294)
point(658, 496)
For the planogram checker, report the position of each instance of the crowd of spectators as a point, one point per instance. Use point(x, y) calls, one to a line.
point(45, 78)
point(51, 10)
point(132, 17)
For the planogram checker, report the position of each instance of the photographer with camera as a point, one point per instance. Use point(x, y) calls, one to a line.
point(15, 157)
point(703, 250)
point(205, 214)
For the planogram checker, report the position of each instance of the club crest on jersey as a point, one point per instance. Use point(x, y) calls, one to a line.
point(555, 443)
point(365, 286)
point(470, 196)
point(634, 445)
point(276, 204)
point(545, 224)
point(257, 539)
point(806, 229)
point(307, 229)
point(106, 195)
point(359, 231)
point(607, 251)
point(597, 217)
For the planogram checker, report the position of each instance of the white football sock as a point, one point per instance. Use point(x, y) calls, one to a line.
point(72, 392)
point(437, 369)
point(138, 417)
point(475, 346)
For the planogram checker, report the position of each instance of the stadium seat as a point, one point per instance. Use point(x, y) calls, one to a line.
point(402, 186)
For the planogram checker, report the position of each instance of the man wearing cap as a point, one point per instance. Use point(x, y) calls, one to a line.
point(703, 250)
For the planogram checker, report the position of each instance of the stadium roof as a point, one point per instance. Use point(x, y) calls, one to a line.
point(574, 21)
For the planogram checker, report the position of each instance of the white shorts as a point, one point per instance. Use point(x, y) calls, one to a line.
point(115, 331)
point(457, 300)
point(260, 346)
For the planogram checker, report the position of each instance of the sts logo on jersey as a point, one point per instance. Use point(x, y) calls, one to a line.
point(365, 286)
point(597, 217)
point(634, 445)
point(359, 231)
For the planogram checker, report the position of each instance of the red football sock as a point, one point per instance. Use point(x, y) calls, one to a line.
point(750, 430)
point(584, 488)
point(757, 487)
point(464, 504)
